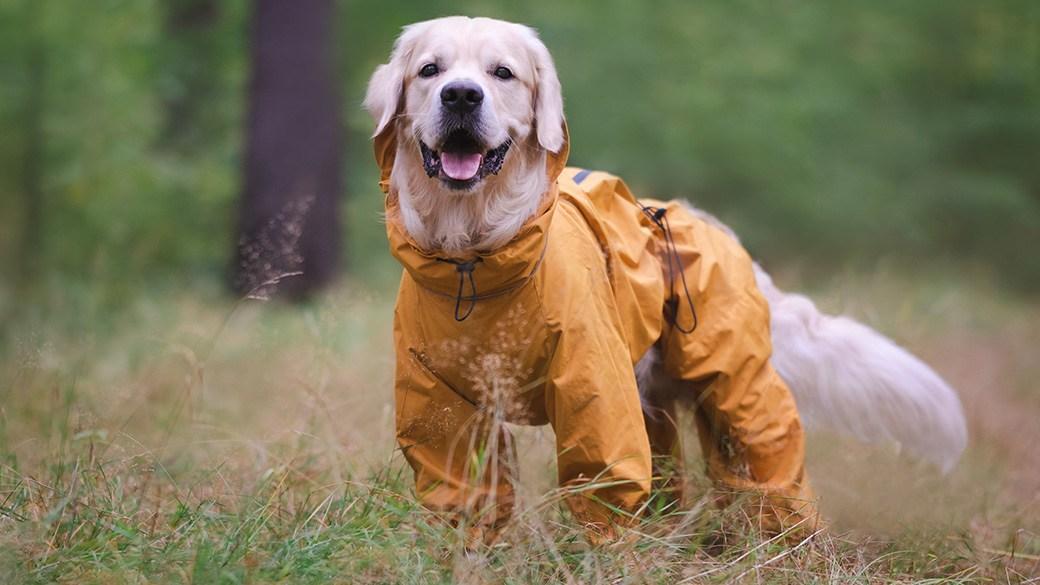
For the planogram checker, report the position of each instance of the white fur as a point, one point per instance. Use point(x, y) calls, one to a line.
point(440, 219)
point(844, 375)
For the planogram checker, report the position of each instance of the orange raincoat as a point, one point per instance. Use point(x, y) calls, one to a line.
point(547, 329)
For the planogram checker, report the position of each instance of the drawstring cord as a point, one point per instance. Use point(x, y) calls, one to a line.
point(671, 305)
point(464, 270)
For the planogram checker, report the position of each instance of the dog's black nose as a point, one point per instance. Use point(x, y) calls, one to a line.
point(462, 97)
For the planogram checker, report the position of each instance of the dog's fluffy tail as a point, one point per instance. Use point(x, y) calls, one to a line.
point(851, 379)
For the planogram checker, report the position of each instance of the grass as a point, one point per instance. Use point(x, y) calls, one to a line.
point(181, 439)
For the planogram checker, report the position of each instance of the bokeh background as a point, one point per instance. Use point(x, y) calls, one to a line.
point(837, 135)
point(882, 156)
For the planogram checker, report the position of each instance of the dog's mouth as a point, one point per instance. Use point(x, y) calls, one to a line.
point(461, 161)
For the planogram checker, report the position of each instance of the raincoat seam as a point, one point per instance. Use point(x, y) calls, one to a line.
point(437, 378)
point(551, 337)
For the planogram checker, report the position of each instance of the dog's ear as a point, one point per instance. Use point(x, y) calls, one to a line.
point(548, 103)
point(385, 94)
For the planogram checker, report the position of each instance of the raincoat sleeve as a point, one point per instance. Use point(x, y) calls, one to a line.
point(747, 421)
point(603, 454)
point(458, 454)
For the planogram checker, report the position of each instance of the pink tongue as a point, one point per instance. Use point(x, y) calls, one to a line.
point(460, 166)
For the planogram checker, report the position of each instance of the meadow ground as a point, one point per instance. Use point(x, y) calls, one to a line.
point(184, 438)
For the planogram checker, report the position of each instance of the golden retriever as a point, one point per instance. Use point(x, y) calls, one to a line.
point(476, 105)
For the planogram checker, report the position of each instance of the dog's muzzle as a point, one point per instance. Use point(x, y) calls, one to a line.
point(460, 162)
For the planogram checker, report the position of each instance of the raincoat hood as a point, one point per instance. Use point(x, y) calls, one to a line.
point(493, 273)
point(385, 147)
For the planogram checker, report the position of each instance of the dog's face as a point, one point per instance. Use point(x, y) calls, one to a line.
point(464, 94)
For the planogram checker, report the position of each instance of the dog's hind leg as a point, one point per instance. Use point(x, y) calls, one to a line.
point(849, 378)
point(658, 395)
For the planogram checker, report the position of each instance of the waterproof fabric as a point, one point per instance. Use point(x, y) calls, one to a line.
point(547, 329)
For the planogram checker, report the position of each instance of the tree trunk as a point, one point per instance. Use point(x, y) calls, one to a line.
point(289, 234)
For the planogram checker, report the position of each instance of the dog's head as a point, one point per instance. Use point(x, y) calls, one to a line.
point(464, 95)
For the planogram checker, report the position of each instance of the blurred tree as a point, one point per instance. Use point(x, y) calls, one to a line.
point(190, 33)
point(32, 169)
point(824, 133)
point(289, 233)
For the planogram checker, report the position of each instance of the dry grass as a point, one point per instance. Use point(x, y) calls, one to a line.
point(176, 440)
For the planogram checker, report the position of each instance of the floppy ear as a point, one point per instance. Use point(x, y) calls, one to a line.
point(384, 95)
point(548, 104)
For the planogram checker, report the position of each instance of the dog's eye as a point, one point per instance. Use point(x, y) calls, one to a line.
point(503, 73)
point(429, 70)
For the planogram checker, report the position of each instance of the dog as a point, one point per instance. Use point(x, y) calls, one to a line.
point(471, 137)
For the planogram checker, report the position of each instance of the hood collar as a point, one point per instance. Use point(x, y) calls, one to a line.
point(385, 147)
point(483, 275)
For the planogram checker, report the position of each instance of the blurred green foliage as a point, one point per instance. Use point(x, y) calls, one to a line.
point(825, 132)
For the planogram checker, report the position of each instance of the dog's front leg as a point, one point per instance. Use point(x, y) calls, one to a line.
point(603, 454)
